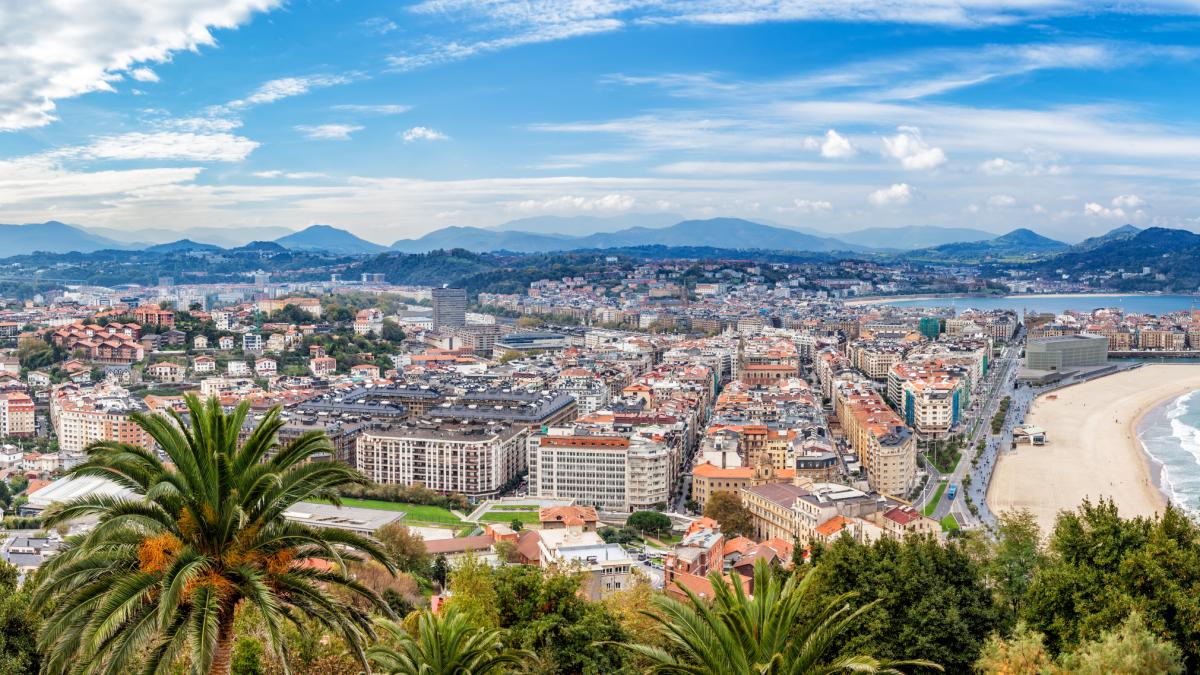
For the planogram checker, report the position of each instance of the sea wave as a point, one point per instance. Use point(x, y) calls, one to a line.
point(1170, 434)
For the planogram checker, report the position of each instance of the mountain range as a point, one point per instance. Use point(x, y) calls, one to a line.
point(1020, 243)
point(729, 233)
point(916, 242)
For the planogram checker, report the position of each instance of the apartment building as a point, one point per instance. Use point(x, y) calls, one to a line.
point(610, 472)
point(368, 322)
point(932, 402)
point(474, 458)
point(17, 417)
point(883, 443)
point(82, 415)
point(1165, 339)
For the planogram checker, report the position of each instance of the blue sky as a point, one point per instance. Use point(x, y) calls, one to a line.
point(394, 119)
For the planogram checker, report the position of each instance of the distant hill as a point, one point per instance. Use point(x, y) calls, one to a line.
point(52, 237)
point(1174, 254)
point(259, 247)
point(912, 236)
point(182, 245)
point(224, 237)
point(1020, 243)
point(481, 240)
point(578, 226)
point(1122, 233)
point(722, 233)
point(330, 239)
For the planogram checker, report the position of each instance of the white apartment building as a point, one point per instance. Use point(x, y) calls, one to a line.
point(611, 473)
point(589, 391)
point(932, 404)
point(475, 459)
point(606, 566)
point(83, 415)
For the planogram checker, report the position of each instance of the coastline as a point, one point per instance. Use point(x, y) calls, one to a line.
point(1094, 449)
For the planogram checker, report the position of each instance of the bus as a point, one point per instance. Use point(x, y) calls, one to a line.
point(950, 493)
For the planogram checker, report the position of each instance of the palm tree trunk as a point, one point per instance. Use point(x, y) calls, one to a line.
point(223, 657)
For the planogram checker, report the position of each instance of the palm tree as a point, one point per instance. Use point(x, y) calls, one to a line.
point(778, 631)
point(160, 578)
point(446, 644)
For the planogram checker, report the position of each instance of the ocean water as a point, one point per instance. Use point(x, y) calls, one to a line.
point(1170, 434)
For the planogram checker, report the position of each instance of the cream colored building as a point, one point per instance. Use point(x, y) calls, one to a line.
point(17, 416)
point(883, 443)
point(82, 415)
point(474, 459)
point(609, 472)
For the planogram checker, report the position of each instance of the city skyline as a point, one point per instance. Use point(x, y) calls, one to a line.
point(1052, 115)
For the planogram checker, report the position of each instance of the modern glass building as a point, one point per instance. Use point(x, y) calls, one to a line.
point(1067, 351)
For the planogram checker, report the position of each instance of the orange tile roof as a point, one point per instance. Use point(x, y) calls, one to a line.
point(832, 526)
point(710, 470)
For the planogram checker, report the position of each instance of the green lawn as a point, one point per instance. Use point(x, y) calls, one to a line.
point(949, 523)
point(494, 516)
point(937, 497)
point(421, 513)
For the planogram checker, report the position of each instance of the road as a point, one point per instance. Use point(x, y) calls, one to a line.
point(1000, 383)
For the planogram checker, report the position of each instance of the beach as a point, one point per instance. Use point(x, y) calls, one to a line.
point(1092, 448)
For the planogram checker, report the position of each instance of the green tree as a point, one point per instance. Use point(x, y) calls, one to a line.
point(784, 628)
point(544, 613)
point(1131, 649)
point(1014, 559)
point(406, 549)
point(392, 331)
point(726, 508)
point(445, 644)
point(163, 574)
point(1024, 653)
point(473, 591)
point(247, 657)
point(439, 570)
point(18, 626)
point(929, 599)
point(650, 522)
point(1100, 567)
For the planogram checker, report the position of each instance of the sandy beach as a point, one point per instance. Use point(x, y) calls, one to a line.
point(1092, 448)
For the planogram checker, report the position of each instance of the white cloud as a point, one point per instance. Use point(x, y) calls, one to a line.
point(58, 50)
point(505, 24)
point(1100, 211)
point(202, 125)
point(423, 134)
point(1001, 201)
point(911, 149)
point(374, 109)
point(328, 132)
point(812, 206)
point(576, 204)
point(162, 145)
point(144, 75)
point(836, 146)
point(719, 168)
point(1038, 208)
point(293, 175)
point(1128, 201)
point(286, 87)
point(898, 193)
point(999, 166)
point(379, 25)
